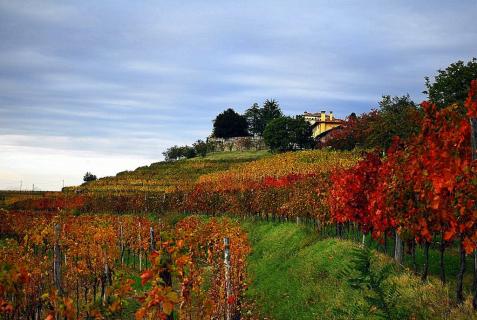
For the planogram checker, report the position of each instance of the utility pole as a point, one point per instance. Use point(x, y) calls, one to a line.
point(63, 183)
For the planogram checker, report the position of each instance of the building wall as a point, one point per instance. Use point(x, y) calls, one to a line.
point(237, 144)
point(321, 122)
point(323, 127)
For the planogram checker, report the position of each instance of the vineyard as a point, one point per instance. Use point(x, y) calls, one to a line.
point(61, 258)
point(96, 258)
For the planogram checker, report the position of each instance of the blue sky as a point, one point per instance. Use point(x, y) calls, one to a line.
point(107, 86)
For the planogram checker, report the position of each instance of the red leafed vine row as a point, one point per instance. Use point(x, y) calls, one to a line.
point(64, 266)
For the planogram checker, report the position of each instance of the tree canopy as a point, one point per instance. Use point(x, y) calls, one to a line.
point(89, 177)
point(176, 152)
point(230, 124)
point(254, 119)
point(287, 133)
point(452, 84)
point(396, 116)
point(259, 117)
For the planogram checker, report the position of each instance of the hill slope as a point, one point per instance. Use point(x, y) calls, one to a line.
point(167, 176)
point(296, 275)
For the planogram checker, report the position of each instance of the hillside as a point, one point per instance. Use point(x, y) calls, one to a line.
point(168, 176)
point(295, 274)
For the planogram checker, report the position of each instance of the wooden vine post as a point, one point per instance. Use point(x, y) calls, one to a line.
point(152, 242)
point(57, 260)
point(398, 249)
point(228, 287)
point(140, 251)
point(121, 236)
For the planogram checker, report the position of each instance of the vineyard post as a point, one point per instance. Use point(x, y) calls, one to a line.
point(398, 249)
point(151, 234)
point(145, 197)
point(57, 260)
point(140, 251)
point(121, 242)
point(228, 288)
point(104, 281)
point(473, 139)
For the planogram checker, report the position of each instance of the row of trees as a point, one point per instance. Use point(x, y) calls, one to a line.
point(199, 148)
point(280, 133)
point(400, 116)
point(395, 116)
point(229, 123)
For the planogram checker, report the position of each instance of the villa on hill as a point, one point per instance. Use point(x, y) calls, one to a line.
point(322, 123)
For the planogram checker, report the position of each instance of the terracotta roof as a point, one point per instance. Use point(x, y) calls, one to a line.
point(335, 121)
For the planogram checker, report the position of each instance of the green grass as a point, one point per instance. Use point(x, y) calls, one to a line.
point(296, 275)
point(234, 155)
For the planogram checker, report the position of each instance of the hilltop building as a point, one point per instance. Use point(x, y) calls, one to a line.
point(322, 123)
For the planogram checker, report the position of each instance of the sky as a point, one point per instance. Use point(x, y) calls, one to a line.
point(107, 86)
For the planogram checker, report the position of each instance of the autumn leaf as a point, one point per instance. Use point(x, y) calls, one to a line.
point(146, 276)
point(167, 307)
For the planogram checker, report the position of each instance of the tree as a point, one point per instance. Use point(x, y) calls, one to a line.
point(452, 84)
point(302, 133)
point(353, 132)
point(254, 119)
point(176, 152)
point(89, 177)
point(270, 111)
point(397, 116)
point(286, 133)
point(230, 124)
point(188, 152)
point(172, 153)
point(201, 148)
point(258, 118)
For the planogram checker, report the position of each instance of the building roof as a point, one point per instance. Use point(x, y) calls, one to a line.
point(317, 115)
point(334, 121)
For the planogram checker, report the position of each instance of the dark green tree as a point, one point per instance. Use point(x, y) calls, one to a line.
point(188, 152)
point(230, 124)
point(286, 134)
point(270, 111)
point(176, 152)
point(254, 119)
point(452, 84)
point(201, 148)
point(302, 133)
point(396, 116)
point(258, 118)
point(172, 153)
point(89, 177)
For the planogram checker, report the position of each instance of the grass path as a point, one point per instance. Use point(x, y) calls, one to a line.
point(295, 275)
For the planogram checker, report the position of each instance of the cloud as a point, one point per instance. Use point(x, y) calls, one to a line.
point(126, 80)
point(44, 11)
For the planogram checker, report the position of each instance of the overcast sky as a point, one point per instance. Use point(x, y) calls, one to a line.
point(106, 86)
